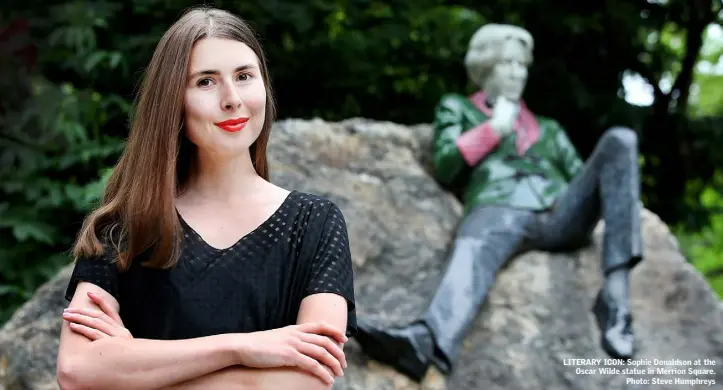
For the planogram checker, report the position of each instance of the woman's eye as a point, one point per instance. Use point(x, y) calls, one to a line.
point(204, 82)
point(244, 76)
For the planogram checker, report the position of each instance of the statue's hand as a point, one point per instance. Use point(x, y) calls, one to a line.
point(504, 115)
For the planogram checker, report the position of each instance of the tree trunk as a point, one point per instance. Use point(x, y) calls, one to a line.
point(666, 146)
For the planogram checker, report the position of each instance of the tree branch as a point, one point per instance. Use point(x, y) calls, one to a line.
point(701, 16)
point(655, 20)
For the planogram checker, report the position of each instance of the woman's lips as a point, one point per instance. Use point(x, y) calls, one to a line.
point(232, 125)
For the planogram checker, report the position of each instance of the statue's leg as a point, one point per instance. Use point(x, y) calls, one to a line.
point(607, 187)
point(485, 240)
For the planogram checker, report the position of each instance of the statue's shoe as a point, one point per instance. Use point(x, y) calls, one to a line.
point(406, 349)
point(615, 324)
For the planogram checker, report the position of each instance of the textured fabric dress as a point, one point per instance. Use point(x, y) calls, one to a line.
point(254, 285)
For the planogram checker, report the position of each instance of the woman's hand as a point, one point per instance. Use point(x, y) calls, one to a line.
point(95, 324)
point(309, 346)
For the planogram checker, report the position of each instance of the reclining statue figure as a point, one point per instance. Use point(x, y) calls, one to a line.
point(523, 187)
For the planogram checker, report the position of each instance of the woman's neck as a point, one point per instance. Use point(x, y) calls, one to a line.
point(222, 179)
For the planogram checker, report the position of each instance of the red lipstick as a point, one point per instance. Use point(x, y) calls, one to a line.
point(232, 125)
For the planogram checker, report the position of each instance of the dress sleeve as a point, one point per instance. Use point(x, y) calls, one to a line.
point(99, 270)
point(331, 269)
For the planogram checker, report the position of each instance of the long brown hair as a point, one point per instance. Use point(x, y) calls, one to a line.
point(138, 212)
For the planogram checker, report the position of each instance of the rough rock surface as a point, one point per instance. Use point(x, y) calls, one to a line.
point(401, 223)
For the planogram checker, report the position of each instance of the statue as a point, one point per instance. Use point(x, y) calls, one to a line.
point(524, 187)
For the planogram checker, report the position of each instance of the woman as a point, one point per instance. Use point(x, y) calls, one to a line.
point(196, 271)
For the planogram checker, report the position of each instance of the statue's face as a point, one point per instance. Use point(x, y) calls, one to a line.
point(509, 75)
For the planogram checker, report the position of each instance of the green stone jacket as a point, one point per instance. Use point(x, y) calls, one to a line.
point(527, 169)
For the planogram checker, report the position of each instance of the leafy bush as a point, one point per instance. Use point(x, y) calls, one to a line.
point(53, 150)
point(704, 247)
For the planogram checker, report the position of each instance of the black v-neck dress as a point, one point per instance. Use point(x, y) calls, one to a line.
point(256, 284)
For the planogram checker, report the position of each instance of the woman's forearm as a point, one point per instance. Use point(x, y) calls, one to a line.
point(243, 378)
point(116, 363)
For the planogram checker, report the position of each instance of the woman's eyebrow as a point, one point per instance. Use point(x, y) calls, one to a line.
point(216, 72)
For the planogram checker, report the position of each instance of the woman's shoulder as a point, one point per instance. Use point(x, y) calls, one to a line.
point(313, 207)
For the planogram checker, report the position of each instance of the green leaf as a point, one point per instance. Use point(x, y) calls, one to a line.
point(93, 60)
point(37, 231)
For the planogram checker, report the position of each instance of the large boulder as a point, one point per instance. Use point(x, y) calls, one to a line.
point(401, 224)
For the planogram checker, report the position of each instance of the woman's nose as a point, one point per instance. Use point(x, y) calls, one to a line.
point(231, 100)
point(232, 105)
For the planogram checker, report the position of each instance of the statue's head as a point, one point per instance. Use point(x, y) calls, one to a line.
point(498, 58)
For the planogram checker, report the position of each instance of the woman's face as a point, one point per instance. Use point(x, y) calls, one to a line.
point(225, 99)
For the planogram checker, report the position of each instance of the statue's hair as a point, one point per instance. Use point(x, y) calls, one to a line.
point(485, 47)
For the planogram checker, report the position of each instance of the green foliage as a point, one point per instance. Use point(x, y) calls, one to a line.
point(710, 95)
point(51, 153)
point(342, 58)
point(47, 182)
point(707, 94)
point(704, 247)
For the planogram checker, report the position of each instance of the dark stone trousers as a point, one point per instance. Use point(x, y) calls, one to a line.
point(608, 187)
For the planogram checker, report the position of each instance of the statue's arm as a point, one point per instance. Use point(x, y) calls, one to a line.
point(455, 146)
point(567, 155)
